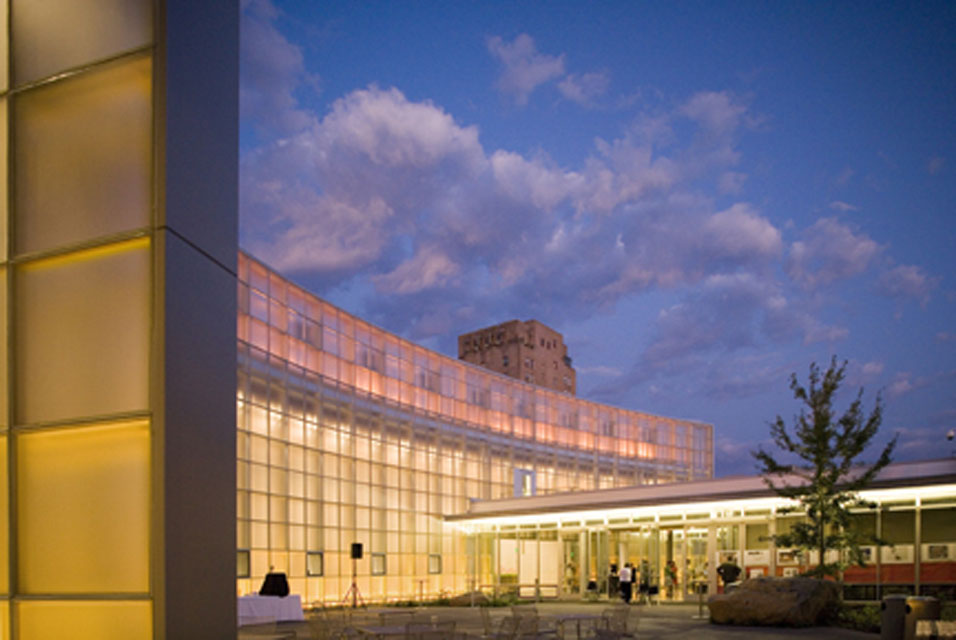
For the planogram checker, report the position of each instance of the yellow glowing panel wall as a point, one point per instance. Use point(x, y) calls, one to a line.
point(4, 47)
point(3, 347)
point(110, 620)
point(82, 340)
point(83, 156)
point(4, 520)
point(3, 173)
point(83, 509)
point(54, 35)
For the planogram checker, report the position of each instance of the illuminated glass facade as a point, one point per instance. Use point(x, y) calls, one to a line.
point(347, 433)
point(677, 536)
point(94, 246)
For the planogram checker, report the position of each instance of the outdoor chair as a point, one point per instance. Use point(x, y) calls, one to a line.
point(434, 631)
point(524, 610)
point(399, 616)
point(332, 624)
point(504, 630)
point(617, 619)
point(605, 634)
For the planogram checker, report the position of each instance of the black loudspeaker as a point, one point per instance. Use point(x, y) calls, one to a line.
point(356, 551)
point(275, 584)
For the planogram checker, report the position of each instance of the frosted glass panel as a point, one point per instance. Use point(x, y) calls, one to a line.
point(83, 509)
point(4, 46)
point(82, 154)
point(83, 333)
point(55, 35)
point(3, 347)
point(111, 620)
point(3, 175)
point(4, 520)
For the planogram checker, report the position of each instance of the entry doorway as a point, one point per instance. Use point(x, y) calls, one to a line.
point(640, 548)
point(571, 556)
point(673, 571)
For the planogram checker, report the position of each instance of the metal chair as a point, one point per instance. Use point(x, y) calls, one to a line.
point(616, 620)
point(434, 631)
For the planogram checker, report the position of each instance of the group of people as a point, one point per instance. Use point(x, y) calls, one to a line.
point(628, 575)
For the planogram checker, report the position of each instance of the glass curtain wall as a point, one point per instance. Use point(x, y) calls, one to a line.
point(350, 434)
point(76, 253)
point(679, 552)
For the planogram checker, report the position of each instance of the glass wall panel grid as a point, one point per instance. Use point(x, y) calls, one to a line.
point(81, 115)
point(81, 327)
point(53, 36)
point(408, 386)
point(384, 470)
point(52, 619)
point(82, 156)
point(82, 505)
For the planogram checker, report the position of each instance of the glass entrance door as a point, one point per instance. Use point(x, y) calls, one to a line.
point(571, 555)
point(672, 561)
point(695, 583)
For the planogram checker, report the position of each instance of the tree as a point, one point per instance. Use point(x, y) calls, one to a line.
point(826, 480)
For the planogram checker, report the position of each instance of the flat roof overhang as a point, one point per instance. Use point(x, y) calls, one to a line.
point(926, 473)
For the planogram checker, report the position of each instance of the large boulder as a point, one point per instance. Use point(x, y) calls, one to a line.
point(796, 602)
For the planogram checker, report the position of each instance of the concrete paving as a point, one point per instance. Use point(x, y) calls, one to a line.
point(654, 621)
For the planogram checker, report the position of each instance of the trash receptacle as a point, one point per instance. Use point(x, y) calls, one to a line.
point(919, 608)
point(892, 617)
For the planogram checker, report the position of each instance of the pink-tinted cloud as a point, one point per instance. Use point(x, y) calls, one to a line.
point(907, 281)
point(740, 231)
point(717, 112)
point(271, 69)
point(830, 251)
point(524, 68)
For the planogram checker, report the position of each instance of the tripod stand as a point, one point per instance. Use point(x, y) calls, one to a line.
point(353, 590)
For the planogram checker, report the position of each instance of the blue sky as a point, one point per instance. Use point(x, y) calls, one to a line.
point(703, 197)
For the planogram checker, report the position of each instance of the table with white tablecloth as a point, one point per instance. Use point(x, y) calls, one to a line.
point(254, 609)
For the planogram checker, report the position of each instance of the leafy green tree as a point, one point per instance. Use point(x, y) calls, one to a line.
point(826, 477)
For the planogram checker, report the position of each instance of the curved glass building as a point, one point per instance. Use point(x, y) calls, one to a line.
point(350, 434)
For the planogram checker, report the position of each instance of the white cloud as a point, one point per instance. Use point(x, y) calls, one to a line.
point(740, 232)
point(830, 251)
point(531, 181)
point(731, 182)
point(585, 88)
point(844, 176)
point(525, 68)
point(818, 332)
point(901, 385)
point(622, 172)
point(385, 129)
point(839, 205)
point(907, 281)
point(428, 268)
point(717, 112)
point(270, 69)
point(872, 368)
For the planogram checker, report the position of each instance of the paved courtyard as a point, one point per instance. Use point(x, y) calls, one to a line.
point(654, 621)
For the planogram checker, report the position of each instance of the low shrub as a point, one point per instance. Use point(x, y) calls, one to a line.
point(864, 617)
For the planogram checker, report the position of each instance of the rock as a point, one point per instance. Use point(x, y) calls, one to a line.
point(796, 602)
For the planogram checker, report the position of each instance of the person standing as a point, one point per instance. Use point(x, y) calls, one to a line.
point(626, 576)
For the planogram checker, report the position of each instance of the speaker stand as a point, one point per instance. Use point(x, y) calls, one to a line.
point(353, 592)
